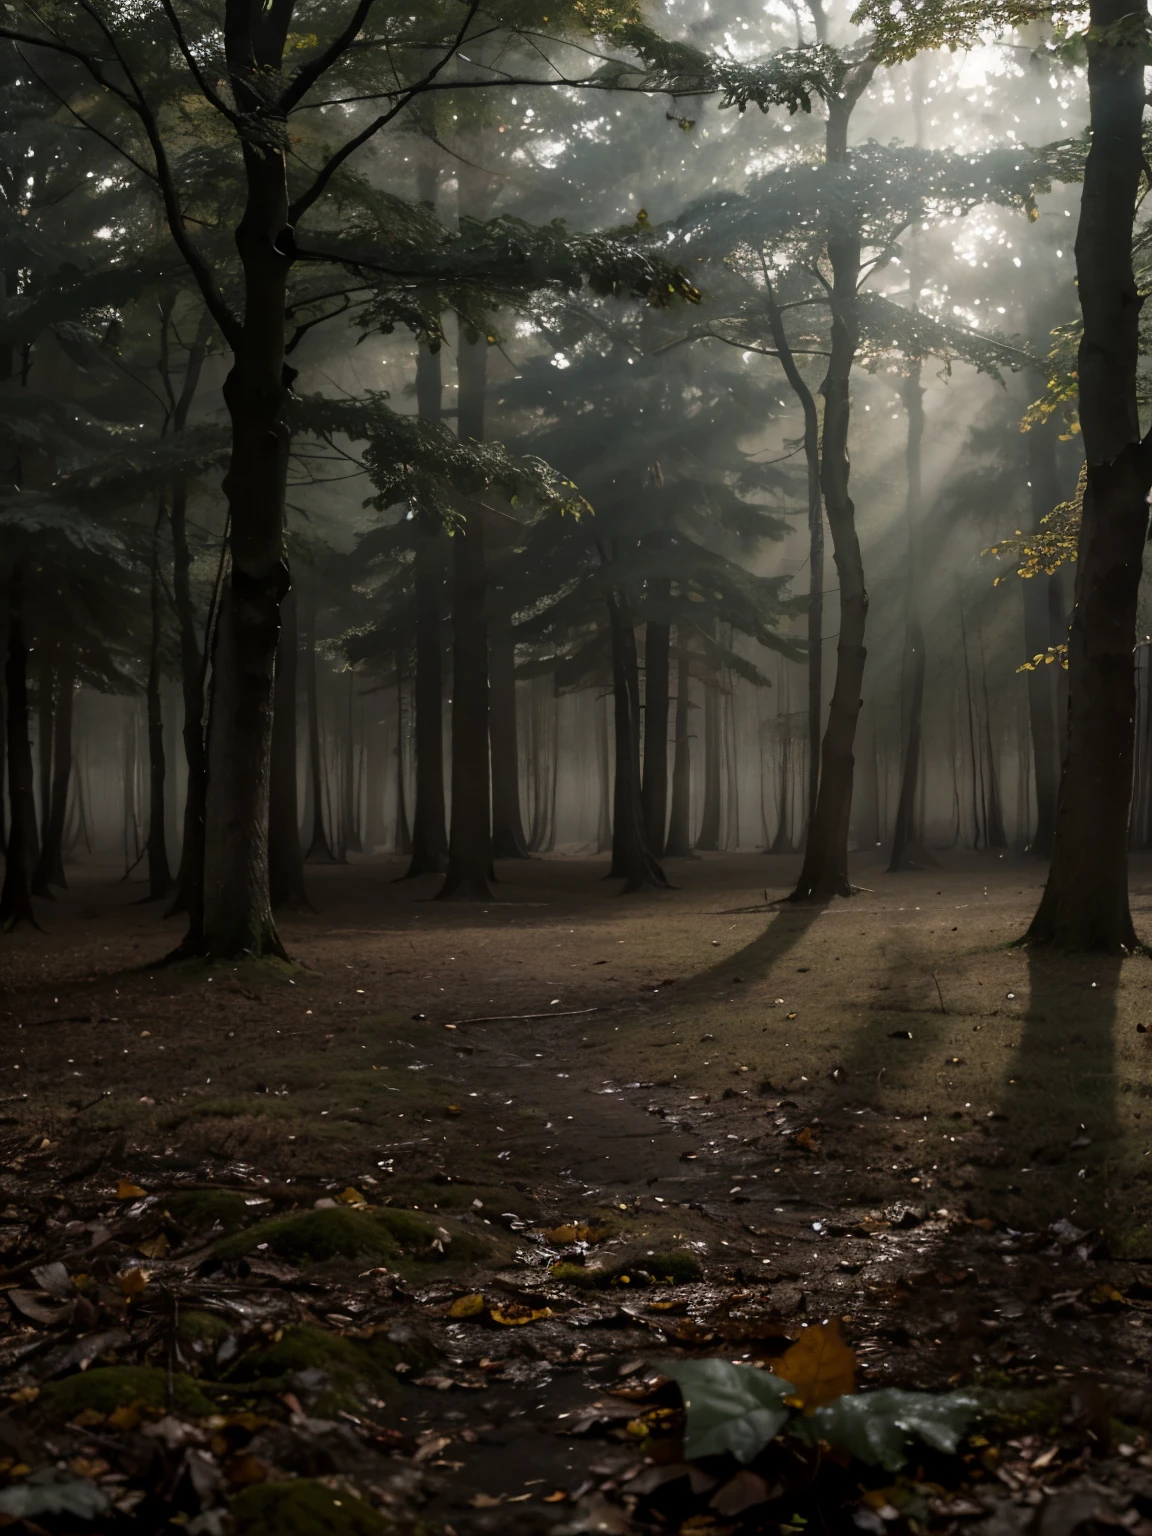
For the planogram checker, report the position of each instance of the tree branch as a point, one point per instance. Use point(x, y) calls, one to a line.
point(308, 74)
point(207, 90)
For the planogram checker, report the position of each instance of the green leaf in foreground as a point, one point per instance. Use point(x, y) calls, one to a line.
point(733, 1408)
point(876, 1426)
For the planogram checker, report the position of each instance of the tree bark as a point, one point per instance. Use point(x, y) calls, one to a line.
point(679, 840)
point(908, 851)
point(1041, 682)
point(190, 882)
point(429, 837)
point(825, 869)
point(632, 860)
point(402, 835)
point(350, 841)
point(159, 871)
point(604, 779)
point(657, 648)
point(319, 848)
point(508, 840)
point(470, 838)
point(1085, 904)
point(285, 855)
point(43, 877)
point(52, 843)
point(15, 895)
point(708, 838)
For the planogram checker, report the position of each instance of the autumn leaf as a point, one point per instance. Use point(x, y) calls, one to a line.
point(155, 1247)
point(467, 1306)
point(127, 1191)
point(132, 1281)
point(573, 1233)
point(515, 1316)
point(351, 1196)
point(821, 1366)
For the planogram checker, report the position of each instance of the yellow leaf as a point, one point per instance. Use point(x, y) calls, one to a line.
point(572, 1233)
point(821, 1366)
point(515, 1316)
point(127, 1416)
point(132, 1281)
point(155, 1247)
point(351, 1196)
point(127, 1191)
point(467, 1306)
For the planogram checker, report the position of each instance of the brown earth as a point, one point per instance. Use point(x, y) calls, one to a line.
point(878, 1110)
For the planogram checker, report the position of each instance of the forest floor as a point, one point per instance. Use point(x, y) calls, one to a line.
point(428, 1218)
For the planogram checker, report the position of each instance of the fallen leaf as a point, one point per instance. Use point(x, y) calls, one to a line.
point(575, 1233)
point(351, 1196)
point(806, 1138)
point(516, 1315)
point(54, 1279)
point(155, 1247)
point(127, 1416)
point(47, 1312)
point(127, 1191)
point(467, 1306)
point(821, 1366)
point(555, 1498)
point(745, 1490)
point(132, 1281)
point(485, 1501)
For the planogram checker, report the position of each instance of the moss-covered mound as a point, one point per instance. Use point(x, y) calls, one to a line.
point(302, 1507)
point(312, 1237)
point(202, 1209)
point(202, 1331)
point(332, 1371)
point(639, 1267)
point(105, 1388)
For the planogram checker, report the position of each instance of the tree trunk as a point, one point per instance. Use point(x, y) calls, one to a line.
point(604, 778)
point(42, 877)
point(782, 842)
point(15, 895)
point(429, 837)
point(470, 838)
point(350, 840)
point(632, 861)
point(508, 840)
point(657, 648)
point(1041, 682)
point(52, 843)
point(908, 851)
point(825, 870)
point(678, 843)
point(708, 838)
point(402, 834)
point(1085, 904)
point(285, 856)
point(319, 848)
point(159, 872)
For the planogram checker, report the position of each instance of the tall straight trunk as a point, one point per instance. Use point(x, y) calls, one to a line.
point(350, 839)
point(1085, 904)
point(815, 544)
point(319, 848)
point(470, 834)
point(15, 894)
point(402, 833)
point(678, 843)
point(632, 860)
point(825, 869)
point(46, 710)
point(970, 711)
point(285, 855)
point(995, 835)
point(908, 851)
point(657, 659)
point(1041, 682)
point(159, 871)
point(708, 839)
point(429, 836)
point(604, 778)
point(52, 841)
point(782, 842)
point(508, 840)
point(190, 881)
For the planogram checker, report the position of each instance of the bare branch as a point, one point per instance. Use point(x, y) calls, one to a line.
point(308, 74)
point(207, 90)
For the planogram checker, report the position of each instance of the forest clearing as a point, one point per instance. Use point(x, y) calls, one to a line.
point(575, 768)
point(882, 1112)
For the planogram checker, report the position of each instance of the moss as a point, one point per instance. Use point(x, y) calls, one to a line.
point(1132, 1243)
point(314, 1236)
point(576, 1274)
point(341, 1371)
point(388, 1234)
point(1023, 1410)
point(202, 1328)
point(679, 1265)
point(202, 1209)
point(117, 1386)
point(303, 1507)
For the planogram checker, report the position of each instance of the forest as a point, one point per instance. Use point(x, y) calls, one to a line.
point(602, 502)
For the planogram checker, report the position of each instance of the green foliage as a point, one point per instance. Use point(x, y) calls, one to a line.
point(877, 1427)
point(104, 1388)
point(304, 1507)
point(729, 1408)
point(904, 28)
point(738, 1409)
